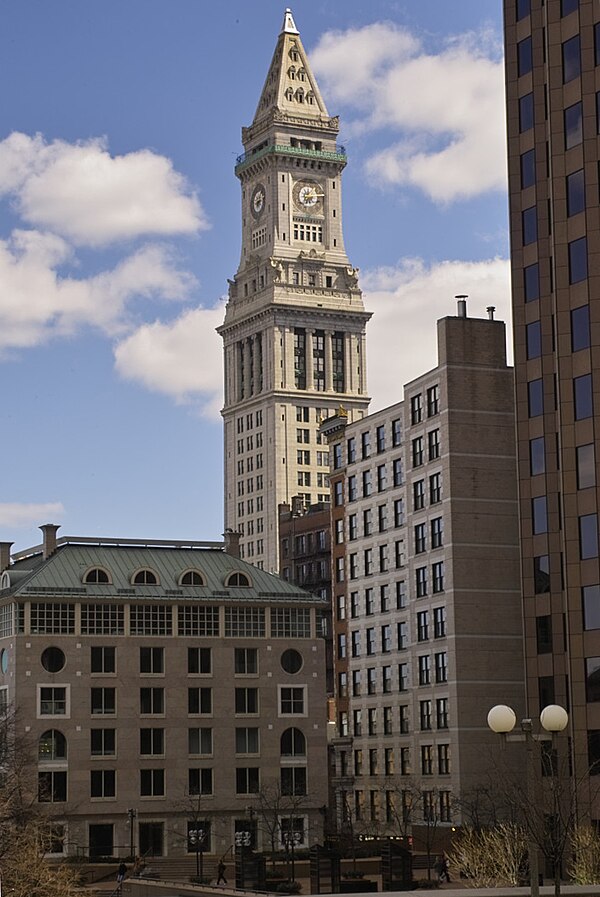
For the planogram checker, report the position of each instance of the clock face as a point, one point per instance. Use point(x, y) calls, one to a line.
point(308, 195)
point(257, 200)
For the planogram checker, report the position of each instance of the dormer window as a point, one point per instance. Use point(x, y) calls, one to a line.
point(294, 56)
point(96, 575)
point(292, 72)
point(238, 579)
point(192, 578)
point(310, 98)
point(300, 95)
point(301, 75)
point(289, 94)
point(145, 578)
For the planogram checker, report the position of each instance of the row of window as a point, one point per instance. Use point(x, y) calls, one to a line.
point(585, 461)
point(432, 404)
point(52, 784)
point(523, 8)
point(52, 745)
point(429, 753)
point(59, 618)
point(426, 806)
point(148, 577)
point(367, 682)
point(250, 420)
point(424, 666)
point(402, 631)
point(54, 700)
point(383, 597)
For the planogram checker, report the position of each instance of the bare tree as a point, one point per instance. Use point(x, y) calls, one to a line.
point(270, 805)
point(584, 868)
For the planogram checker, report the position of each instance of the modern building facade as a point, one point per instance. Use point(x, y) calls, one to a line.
point(553, 103)
point(426, 601)
point(164, 688)
point(294, 328)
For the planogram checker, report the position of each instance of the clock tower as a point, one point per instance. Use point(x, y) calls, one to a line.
point(294, 328)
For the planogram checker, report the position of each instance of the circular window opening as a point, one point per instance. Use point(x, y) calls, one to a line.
point(53, 660)
point(4, 660)
point(291, 661)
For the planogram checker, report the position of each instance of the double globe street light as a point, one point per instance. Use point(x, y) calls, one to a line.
point(553, 719)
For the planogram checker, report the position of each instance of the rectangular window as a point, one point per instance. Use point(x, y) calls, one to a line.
point(524, 57)
point(423, 626)
point(441, 713)
point(592, 679)
point(368, 561)
point(381, 477)
point(103, 659)
point(421, 581)
point(247, 780)
point(417, 452)
point(397, 471)
point(352, 488)
point(416, 409)
point(571, 59)
point(535, 397)
point(246, 700)
point(382, 518)
point(580, 328)
point(398, 512)
point(573, 123)
point(523, 9)
point(433, 445)
point(199, 700)
point(425, 715)
point(568, 6)
point(418, 495)
point(526, 112)
point(200, 740)
point(291, 701)
point(541, 574)
point(152, 660)
point(575, 192)
point(386, 638)
point(357, 722)
point(586, 466)
point(437, 576)
point(102, 742)
point(443, 751)
point(427, 759)
point(152, 782)
point(590, 596)
point(380, 436)
point(578, 269)
point(437, 532)
point(441, 667)
point(372, 721)
point(439, 622)
point(396, 432)
point(355, 643)
point(537, 456)
point(543, 631)
point(403, 671)
point(402, 635)
point(588, 536)
point(582, 397)
point(365, 444)
point(351, 450)
point(386, 673)
point(52, 786)
point(531, 282)
point(539, 514)
point(527, 169)
point(424, 669)
point(534, 339)
point(200, 781)
point(104, 701)
point(371, 681)
point(433, 400)
point(388, 721)
point(152, 741)
point(245, 661)
point(367, 522)
point(199, 661)
point(367, 484)
point(435, 488)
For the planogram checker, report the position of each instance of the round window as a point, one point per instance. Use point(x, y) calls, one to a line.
point(53, 659)
point(291, 661)
point(4, 660)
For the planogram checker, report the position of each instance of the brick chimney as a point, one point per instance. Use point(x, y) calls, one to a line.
point(5, 555)
point(49, 530)
point(232, 543)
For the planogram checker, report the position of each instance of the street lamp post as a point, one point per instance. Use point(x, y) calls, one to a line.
point(553, 718)
point(131, 814)
point(290, 839)
point(196, 836)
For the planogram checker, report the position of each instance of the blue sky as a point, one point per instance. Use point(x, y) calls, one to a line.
point(119, 217)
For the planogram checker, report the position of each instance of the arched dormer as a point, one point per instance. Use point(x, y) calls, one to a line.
point(192, 578)
point(237, 580)
point(300, 95)
point(97, 575)
point(289, 94)
point(292, 72)
point(145, 577)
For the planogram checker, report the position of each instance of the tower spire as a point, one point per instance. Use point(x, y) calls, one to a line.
point(290, 87)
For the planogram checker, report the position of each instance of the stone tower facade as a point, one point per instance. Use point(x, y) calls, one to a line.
point(294, 328)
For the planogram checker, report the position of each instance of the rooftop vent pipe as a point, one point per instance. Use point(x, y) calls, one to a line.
point(461, 303)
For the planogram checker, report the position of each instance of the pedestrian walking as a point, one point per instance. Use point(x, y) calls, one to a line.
point(121, 873)
point(221, 873)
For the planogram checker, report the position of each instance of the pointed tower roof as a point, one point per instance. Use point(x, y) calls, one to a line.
point(290, 87)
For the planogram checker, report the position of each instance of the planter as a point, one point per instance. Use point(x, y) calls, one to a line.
point(357, 886)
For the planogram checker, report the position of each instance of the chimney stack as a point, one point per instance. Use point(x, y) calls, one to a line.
point(232, 543)
point(49, 530)
point(461, 301)
point(5, 555)
point(490, 310)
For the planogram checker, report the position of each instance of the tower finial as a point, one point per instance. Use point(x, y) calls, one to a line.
point(289, 26)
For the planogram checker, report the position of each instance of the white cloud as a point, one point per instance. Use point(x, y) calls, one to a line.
point(36, 303)
point(181, 359)
point(92, 198)
point(446, 108)
point(14, 514)
point(408, 300)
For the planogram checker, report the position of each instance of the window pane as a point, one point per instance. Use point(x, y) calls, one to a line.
point(537, 461)
point(578, 260)
point(592, 678)
point(590, 596)
point(597, 43)
point(531, 282)
point(567, 6)
point(571, 59)
point(580, 328)
point(575, 192)
point(523, 9)
point(524, 56)
point(541, 574)
point(586, 466)
point(539, 512)
point(534, 339)
point(573, 126)
point(527, 169)
point(588, 536)
point(535, 397)
point(525, 112)
point(582, 396)
point(529, 217)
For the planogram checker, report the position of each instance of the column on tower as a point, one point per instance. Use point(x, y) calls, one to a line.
point(239, 369)
point(247, 369)
point(362, 345)
point(257, 361)
point(310, 370)
point(289, 358)
point(328, 361)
